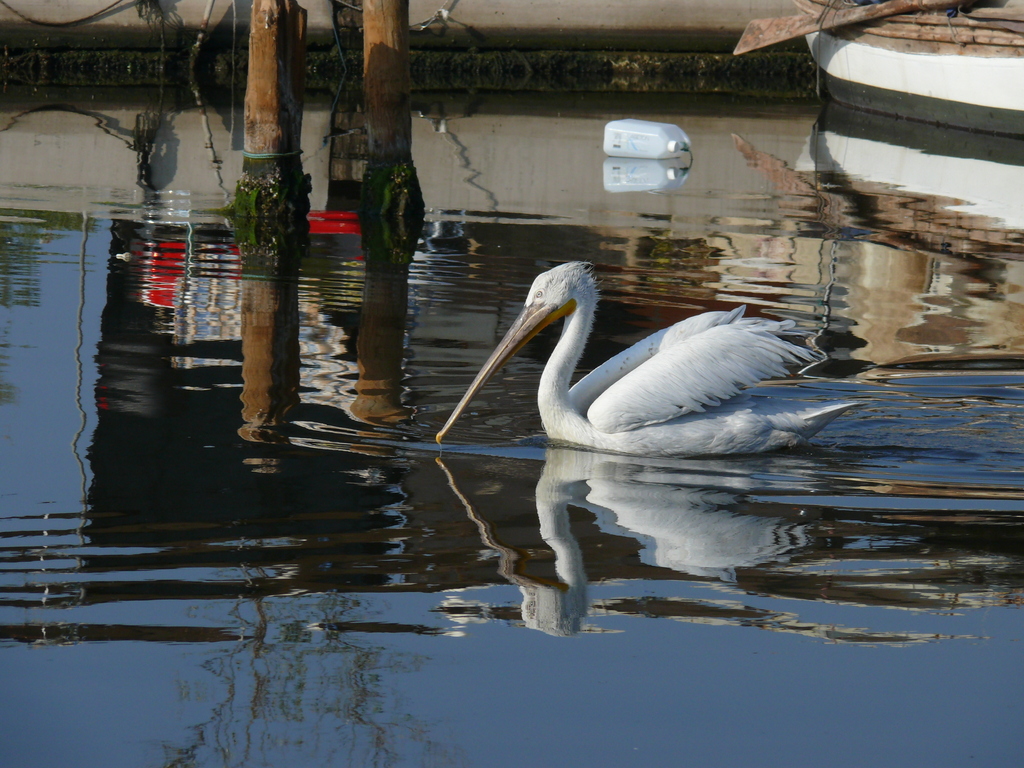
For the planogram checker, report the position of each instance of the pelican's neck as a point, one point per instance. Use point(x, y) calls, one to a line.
point(553, 394)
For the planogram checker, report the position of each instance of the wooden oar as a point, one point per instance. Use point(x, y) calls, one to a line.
point(762, 32)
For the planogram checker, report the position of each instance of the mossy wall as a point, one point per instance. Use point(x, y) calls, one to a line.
point(783, 73)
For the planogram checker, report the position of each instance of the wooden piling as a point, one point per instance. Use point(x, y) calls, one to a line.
point(277, 77)
point(391, 209)
point(271, 203)
point(272, 185)
point(386, 80)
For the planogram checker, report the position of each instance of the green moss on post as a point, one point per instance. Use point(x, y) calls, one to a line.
point(274, 188)
point(391, 212)
point(271, 200)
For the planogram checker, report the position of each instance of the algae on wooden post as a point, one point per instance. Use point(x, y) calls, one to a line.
point(392, 212)
point(271, 202)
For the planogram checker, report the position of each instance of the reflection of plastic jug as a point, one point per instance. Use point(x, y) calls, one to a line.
point(623, 174)
point(640, 138)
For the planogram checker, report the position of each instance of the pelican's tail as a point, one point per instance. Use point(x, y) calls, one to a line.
point(818, 417)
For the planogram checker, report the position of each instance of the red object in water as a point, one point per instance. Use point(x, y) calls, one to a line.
point(163, 270)
point(334, 223)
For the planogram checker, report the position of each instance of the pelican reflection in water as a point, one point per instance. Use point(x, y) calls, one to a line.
point(678, 392)
point(680, 515)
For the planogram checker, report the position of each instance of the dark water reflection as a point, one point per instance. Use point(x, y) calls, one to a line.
point(758, 527)
point(227, 537)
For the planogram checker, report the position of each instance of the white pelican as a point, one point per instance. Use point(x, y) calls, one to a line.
point(676, 393)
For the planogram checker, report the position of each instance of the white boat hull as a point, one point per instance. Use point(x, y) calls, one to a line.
point(987, 82)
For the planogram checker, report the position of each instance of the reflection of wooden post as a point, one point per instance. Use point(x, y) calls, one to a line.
point(391, 211)
point(380, 346)
point(270, 348)
point(272, 183)
point(392, 204)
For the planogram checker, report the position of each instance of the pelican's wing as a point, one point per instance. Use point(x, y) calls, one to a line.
point(591, 386)
point(698, 370)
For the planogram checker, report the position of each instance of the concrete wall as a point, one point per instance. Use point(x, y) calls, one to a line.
point(626, 24)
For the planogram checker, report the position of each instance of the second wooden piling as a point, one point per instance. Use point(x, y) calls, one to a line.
point(392, 204)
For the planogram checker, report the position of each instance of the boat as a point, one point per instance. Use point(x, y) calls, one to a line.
point(963, 68)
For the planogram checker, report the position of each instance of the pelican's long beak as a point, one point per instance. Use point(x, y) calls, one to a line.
point(531, 321)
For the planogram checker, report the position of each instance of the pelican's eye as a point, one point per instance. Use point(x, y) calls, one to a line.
point(538, 294)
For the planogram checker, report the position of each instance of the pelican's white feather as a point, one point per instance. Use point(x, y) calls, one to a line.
point(587, 389)
point(693, 370)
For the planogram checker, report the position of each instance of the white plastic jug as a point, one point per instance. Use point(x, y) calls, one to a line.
point(641, 138)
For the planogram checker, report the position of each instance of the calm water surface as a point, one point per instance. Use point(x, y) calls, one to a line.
point(228, 538)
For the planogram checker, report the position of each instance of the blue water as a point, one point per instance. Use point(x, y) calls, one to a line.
point(203, 565)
